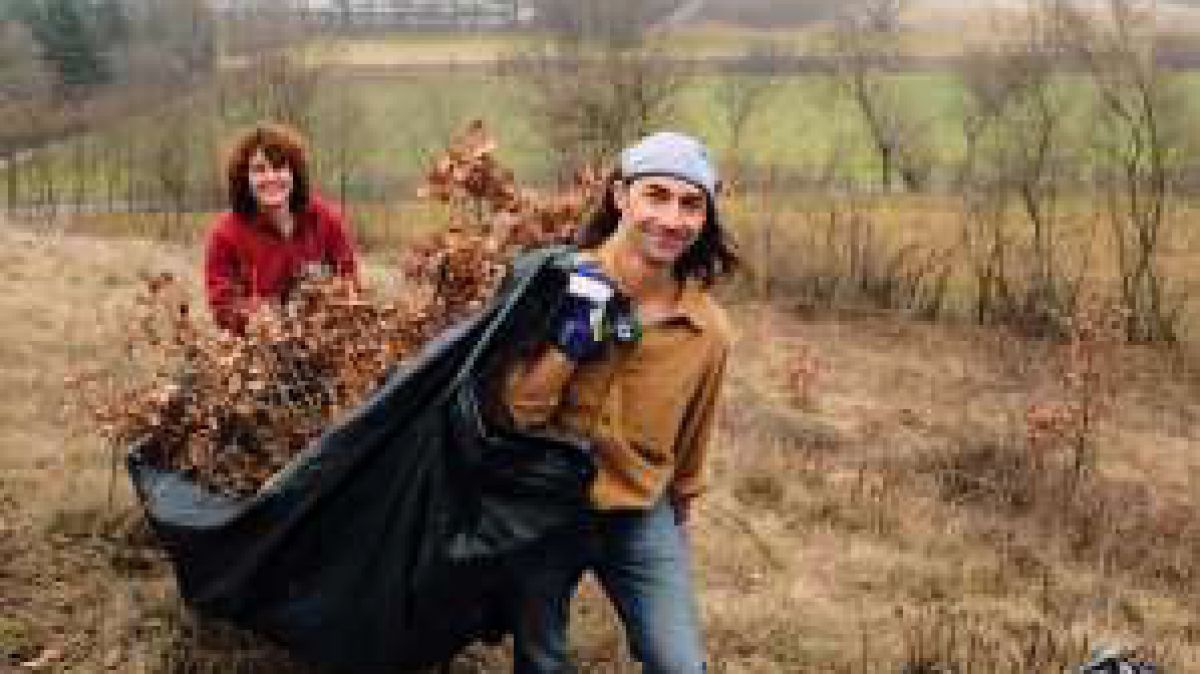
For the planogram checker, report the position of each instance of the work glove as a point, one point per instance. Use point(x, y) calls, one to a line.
point(580, 327)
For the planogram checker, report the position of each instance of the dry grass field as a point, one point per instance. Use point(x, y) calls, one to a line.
point(875, 502)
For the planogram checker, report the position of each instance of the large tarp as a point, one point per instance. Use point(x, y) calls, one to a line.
point(383, 545)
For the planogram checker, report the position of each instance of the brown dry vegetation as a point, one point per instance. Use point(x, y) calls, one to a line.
point(890, 516)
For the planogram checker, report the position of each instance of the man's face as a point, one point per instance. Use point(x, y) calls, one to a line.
point(661, 216)
point(271, 185)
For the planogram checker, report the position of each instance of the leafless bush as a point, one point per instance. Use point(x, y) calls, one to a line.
point(804, 371)
point(1141, 116)
point(1020, 157)
point(1053, 455)
point(1043, 476)
point(840, 257)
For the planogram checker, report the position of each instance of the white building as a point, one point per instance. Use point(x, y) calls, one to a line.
point(394, 13)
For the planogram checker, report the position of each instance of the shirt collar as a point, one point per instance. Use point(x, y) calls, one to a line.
point(694, 305)
point(263, 224)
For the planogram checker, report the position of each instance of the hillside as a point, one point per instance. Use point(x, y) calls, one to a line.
point(1177, 15)
point(885, 510)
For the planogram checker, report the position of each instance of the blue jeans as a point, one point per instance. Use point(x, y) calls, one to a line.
point(641, 560)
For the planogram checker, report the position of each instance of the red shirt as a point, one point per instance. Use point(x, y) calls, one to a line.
point(247, 262)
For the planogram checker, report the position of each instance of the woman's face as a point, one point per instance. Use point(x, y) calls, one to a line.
point(271, 185)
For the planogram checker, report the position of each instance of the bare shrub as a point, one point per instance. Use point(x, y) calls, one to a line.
point(1020, 160)
point(1085, 387)
point(1141, 117)
point(1046, 461)
point(803, 375)
point(841, 257)
point(1045, 475)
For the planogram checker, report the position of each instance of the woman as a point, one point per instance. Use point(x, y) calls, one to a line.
point(276, 231)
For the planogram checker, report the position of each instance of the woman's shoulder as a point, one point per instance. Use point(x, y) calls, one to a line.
point(228, 225)
point(326, 212)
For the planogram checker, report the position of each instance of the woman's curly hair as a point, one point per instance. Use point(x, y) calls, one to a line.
point(283, 146)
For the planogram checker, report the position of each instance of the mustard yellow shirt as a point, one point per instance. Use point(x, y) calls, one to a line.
point(647, 408)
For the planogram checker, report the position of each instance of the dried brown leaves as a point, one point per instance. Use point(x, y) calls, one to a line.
point(231, 410)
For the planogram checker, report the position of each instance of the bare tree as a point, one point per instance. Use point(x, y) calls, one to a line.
point(1140, 117)
point(250, 27)
point(744, 88)
point(616, 22)
point(344, 141)
point(170, 44)
point(865, 48)
point(1019, 155)
point(23, 73)
point(590, 100)
point(25, 88)
point(173, 160)
point(176, 156)
point(275, 85)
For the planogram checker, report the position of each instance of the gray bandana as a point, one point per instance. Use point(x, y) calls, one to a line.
point(671, 154)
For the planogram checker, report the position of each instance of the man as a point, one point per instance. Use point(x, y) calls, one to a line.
point(634, 365)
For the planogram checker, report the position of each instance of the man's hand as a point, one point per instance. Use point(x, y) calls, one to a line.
point(580, 325)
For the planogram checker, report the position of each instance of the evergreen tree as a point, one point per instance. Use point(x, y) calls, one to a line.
point(67, 34)
point(112, 22)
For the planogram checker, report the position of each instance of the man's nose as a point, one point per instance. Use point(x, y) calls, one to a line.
point(677, 214)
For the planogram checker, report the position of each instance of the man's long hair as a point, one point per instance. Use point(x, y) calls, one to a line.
point(710, 257)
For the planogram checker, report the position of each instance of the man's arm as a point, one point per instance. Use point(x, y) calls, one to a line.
point(691, 449)
point(533, 388)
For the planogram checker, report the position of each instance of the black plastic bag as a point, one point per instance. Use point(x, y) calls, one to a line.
point(384, 544)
